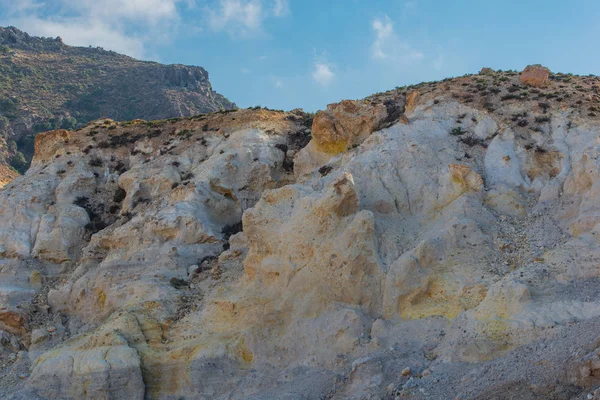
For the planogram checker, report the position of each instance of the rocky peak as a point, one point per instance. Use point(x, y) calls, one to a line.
point(186, 77)
point(13, 37)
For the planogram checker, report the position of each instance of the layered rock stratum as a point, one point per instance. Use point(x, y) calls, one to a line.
point(46, 84)
point(438, 241)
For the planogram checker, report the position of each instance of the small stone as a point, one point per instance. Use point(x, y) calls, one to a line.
point(35, 279)
point(590, 396)
point(390, 388)
point(406, 372)
point(427, 372)
point(192, 269)
point(23, 376)
point(50, 329)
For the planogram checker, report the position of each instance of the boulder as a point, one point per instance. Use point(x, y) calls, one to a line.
point(12, 321)
point(48, 143)
point(346, 124)
point(100, 366)
point(535, 75)
point(465, 177)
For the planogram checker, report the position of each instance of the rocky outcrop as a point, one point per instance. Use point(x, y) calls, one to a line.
point(447, 250)
point(535, 75)
point(411, 101)
point(47, 144)
point(7, 174)
point(92, 368)
point(343, 126)
point(186, 77)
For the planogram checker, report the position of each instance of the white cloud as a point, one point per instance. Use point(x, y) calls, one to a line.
point(14, 8)
point(245, 71)
point(389, 46)
point(236, 16)
point(125, 26)
point(384, 31)
point(322, 73)
point(438, 63)
point(131, 26)
point(278, 82)
point(243, 18)
point(281, 8)
point(80, 32)
point(409, 8)
point(135, 10)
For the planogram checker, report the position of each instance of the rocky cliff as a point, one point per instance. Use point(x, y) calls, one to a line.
point(45, 84)
point(432, 242)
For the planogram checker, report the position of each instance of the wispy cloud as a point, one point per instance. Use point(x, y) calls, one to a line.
point(133, 26)
point(323, 73)
point(244, 18)
point(384, 30)
point(277, 82)
point(281, 8)
point(389, 46)
point(409, 8)
point(81, 32)
point(123, 26)
point(239, 17)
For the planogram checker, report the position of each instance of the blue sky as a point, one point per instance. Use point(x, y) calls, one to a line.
point(308, 53)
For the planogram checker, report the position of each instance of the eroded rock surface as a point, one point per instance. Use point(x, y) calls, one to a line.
point(447, 250)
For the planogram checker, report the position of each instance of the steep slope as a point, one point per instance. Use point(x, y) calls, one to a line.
point(45, 84)
point(431, 242)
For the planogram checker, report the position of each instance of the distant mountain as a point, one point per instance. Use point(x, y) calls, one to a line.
point(45, 84)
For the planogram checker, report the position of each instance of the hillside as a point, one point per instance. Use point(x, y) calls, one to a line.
point(45, 84)
point(437, 241)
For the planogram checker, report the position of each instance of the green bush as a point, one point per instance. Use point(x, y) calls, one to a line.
point(19, 162)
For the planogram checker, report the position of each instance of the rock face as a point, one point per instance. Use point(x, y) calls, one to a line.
point(7, 174)
point(411, 101)
point(104, 367)
point(535, 75)
point(447, 250)
point(107, 85)
point(345, 124)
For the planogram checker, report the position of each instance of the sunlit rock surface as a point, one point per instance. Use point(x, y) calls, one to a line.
point(447, 250)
